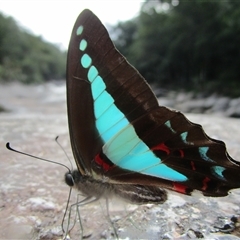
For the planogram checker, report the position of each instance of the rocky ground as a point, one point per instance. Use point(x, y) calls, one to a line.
point(199, 103)
point(34, 195)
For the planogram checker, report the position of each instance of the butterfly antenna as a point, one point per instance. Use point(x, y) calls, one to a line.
point(56, 139)
point(50, 161)
point(29, 155)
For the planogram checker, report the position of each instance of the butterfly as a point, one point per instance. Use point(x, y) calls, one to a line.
point(123, 142)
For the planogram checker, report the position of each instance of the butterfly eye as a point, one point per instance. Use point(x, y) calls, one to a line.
point(69, 179)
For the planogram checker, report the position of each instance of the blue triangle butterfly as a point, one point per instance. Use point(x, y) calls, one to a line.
point(122, 140)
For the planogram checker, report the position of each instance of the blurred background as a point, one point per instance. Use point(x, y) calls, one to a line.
point(187, 50)
point(192, 45)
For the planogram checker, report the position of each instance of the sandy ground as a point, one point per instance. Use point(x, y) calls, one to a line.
point(34, 195)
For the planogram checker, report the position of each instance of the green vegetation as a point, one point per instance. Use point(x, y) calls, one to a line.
point(191, 45)
point(27, 58)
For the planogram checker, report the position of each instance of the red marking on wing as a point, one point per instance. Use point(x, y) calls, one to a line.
point(181, 152)
point(180, 188)
point(161, 147)
point(193, 166)
point(106, 167)
point(205, 183)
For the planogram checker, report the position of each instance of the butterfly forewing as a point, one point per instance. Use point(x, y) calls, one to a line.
point(118, 129)
point(115, 78)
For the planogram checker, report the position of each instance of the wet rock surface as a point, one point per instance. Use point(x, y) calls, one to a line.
point(34, 195)
point(212, 104)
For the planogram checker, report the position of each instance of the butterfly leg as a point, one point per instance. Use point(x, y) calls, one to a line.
point(86, 200)
point(110, 220)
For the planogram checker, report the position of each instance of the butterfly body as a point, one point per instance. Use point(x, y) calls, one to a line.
point(120, 136)
point(93, 188)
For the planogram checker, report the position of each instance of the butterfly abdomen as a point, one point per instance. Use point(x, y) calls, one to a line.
point(140, 194)
point(96, 188)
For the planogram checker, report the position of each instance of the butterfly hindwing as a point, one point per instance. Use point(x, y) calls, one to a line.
point(118, 129)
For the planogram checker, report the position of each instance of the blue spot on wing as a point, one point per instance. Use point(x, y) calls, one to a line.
point(102, 103)
point(86, 61)
point(107, 129)
point(127, 151)
point(79, 30)
point(143, 161)
point(92, 73)
point(83, 45)
point(218, 172)
point(184, 137)
point(114, 129)
point(98, 86)
point(163, 171)
point(168, 124)
point(121, 144)
point(203, 153)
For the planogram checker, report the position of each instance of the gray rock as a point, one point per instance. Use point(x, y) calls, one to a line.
point(221, 105)
point(234, 108)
